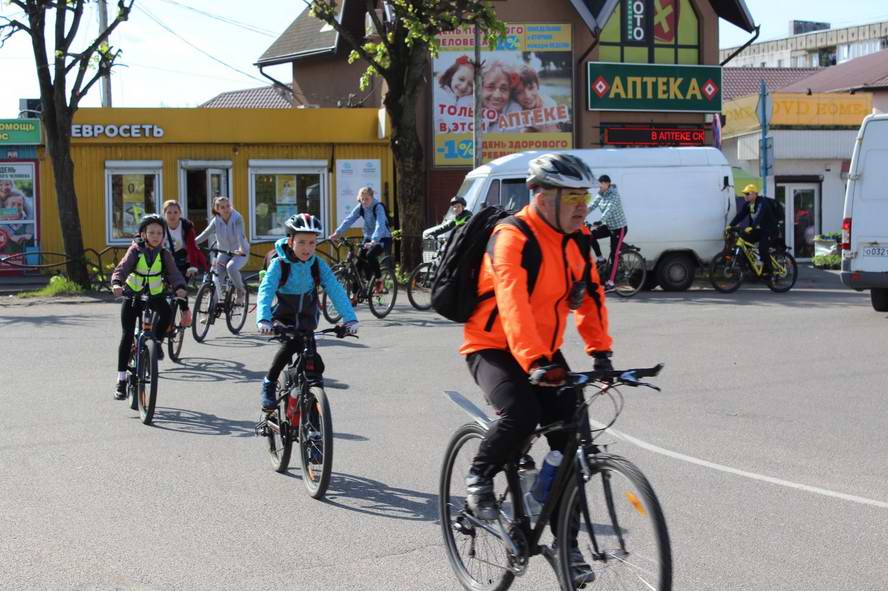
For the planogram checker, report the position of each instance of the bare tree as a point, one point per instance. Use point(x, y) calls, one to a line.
point(401, 58)
point(57, 104)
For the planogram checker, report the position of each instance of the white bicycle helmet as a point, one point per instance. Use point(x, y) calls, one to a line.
point(303, 222)
point(559, 171)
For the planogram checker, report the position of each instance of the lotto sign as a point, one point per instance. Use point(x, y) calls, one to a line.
point(653, 87)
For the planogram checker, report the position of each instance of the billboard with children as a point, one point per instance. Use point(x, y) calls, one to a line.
point(18, 219)
point(526, 92)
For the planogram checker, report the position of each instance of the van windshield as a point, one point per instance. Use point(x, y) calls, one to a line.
point(468, 191)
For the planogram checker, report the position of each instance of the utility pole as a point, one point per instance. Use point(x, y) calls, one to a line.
point(106, 79)
point(477, 137)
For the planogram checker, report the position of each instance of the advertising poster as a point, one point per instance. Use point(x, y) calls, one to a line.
point(526, 92)
point(18, 220)
point(351, 175)
point(133, 203)
point(286, 189)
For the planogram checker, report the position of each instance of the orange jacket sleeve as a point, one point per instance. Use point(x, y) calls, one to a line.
point(592, 318)
point(513, 301)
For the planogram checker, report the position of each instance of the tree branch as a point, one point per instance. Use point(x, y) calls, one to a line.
point(329, 17)
point(75, 24)
point(11, 28)
point(380, 28)
point(84, 57)
point(104, 68)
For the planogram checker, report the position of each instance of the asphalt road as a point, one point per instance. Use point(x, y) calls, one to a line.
point(767, 448)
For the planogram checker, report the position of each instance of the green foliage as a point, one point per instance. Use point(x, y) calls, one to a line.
point(837, 236)
point(59, 285)
point(827, 261)
point(401, 276)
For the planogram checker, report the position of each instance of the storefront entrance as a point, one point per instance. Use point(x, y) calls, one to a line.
point(199, 183)
point(801, 201)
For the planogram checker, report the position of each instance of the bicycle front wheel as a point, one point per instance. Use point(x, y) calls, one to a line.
point(784, 272)
point(177, 337)
point(477, 556)
point(419, 287)
point(329, 311)
point(627, 545)
point(383, 292)
point(279, 435)
point(725, 275)
point(236, 314)
point(316, 442)
point(148, 382)
point(631, 274)
point(204, 310)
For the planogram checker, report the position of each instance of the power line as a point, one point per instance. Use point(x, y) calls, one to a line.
point(195, 47)
point(226, 20)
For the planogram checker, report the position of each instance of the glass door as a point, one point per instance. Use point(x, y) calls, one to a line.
point(801, 201)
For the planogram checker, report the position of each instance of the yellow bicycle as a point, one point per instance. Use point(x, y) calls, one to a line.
point(740, 257)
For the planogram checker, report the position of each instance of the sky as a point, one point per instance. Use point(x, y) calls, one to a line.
point(159, 69)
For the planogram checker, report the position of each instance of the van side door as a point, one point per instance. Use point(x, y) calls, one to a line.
point(869, 217)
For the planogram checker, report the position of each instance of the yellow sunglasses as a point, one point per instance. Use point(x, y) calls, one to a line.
point(576, 198)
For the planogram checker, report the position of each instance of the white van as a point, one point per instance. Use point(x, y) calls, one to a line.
point(865, 223)
point(677, 201)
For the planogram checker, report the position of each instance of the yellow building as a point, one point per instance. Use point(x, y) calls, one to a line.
point(272, 163)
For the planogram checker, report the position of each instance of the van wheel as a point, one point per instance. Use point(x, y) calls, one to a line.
point(879, 298)
point(675, 272)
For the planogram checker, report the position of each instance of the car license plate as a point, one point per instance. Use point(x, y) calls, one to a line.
point(875, 251)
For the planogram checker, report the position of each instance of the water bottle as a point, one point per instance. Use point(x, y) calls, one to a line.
point(528, 473)
point(544, 481)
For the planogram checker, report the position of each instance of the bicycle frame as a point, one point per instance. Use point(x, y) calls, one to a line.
point(751, 253)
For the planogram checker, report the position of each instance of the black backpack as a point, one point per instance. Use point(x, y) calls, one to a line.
point(388, 219)
point(285, 268)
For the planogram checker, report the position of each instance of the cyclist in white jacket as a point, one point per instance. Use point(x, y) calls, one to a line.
point(227, 226)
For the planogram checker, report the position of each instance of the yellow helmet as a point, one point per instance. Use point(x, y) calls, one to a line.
point(750, 188)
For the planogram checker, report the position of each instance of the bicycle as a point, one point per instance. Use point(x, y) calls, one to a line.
point(141, 369)
point(631, 271)
point(380, 291)
point(176, 336)
point(419, 285)
point(303, 416)
point(740, 257)
point(604, 500)
point(207, 307)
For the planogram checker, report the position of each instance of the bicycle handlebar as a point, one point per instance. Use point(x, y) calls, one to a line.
point(287, 331)
point(623, 377)
point(230, 253)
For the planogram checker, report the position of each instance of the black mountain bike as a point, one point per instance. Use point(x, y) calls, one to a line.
point(380, 291)
point(419, 286)
point(302, 413)
point(208, 306)
point(606, 502)
point(631, 271)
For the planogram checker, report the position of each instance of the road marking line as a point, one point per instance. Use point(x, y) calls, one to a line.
point(752, 475)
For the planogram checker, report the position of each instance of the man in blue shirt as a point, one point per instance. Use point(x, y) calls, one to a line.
point(377, 236)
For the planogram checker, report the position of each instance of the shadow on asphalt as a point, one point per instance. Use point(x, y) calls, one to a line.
point(48, 320)
point(753, 295)
point(198, 423)
point(371, 497)
point(202, 369)
point(410, 316)
point(349, 437)
point(251, 341)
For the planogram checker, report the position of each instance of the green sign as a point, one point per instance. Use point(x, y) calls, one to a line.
point(25, 132)
point(653, 87)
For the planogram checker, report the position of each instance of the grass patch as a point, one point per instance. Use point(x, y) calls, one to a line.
point(59, 285)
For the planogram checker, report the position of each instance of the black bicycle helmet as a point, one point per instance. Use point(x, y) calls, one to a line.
point(151, 218)
point(458, 200)
point(303, 222)
point(559, 171)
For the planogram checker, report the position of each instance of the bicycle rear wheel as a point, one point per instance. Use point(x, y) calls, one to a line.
point(132, 386)
point(784, 273)
point(236, 314)
point(279, 434)
point(631, 273)
point(204, 311)
point(316, 442)
point(177, 337)
point(419, 287)
point(478, 557)
point(148, 382)
point(725, 275)
point(631, 549)
point(329, 311)
point(383, 292)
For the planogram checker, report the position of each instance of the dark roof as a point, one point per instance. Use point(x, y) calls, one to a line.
point(862, 73)
point(266, 97)
point(307, 36)
point(735, 12)
point(738, 82)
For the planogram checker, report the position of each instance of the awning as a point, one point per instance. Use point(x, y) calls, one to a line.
point(735, 12)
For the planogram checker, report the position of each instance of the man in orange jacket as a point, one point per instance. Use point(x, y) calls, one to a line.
point(512, 340)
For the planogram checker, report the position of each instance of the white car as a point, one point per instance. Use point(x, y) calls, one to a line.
point(865, 223)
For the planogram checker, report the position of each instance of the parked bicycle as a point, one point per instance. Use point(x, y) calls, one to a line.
point(380, 291)
point(608, 508)
point(740, 258)
point(631, 271)
point(141, 369)
point(208, 305)
point(302, 413)
point(419, 285)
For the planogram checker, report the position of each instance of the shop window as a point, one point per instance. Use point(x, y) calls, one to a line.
point(672, 34)
point(280, 189)
point(132, 189)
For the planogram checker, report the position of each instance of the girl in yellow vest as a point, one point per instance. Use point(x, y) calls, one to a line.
point(144, 268)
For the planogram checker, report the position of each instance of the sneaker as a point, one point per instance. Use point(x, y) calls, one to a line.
point(480, 497)
point(609, 286)
point(269, 400)
point(580, 570)
point(239, 298)
point(120, 392)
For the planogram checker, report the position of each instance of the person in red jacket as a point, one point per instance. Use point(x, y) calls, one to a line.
point(512, 342)
point(180, 242)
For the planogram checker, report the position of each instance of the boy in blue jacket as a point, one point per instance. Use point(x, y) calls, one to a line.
point(297, 295)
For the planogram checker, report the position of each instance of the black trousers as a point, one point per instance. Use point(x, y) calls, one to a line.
point(300, 311)
point(763, 239)
point(602, 231)
point(129, 311)
point(368, 260)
